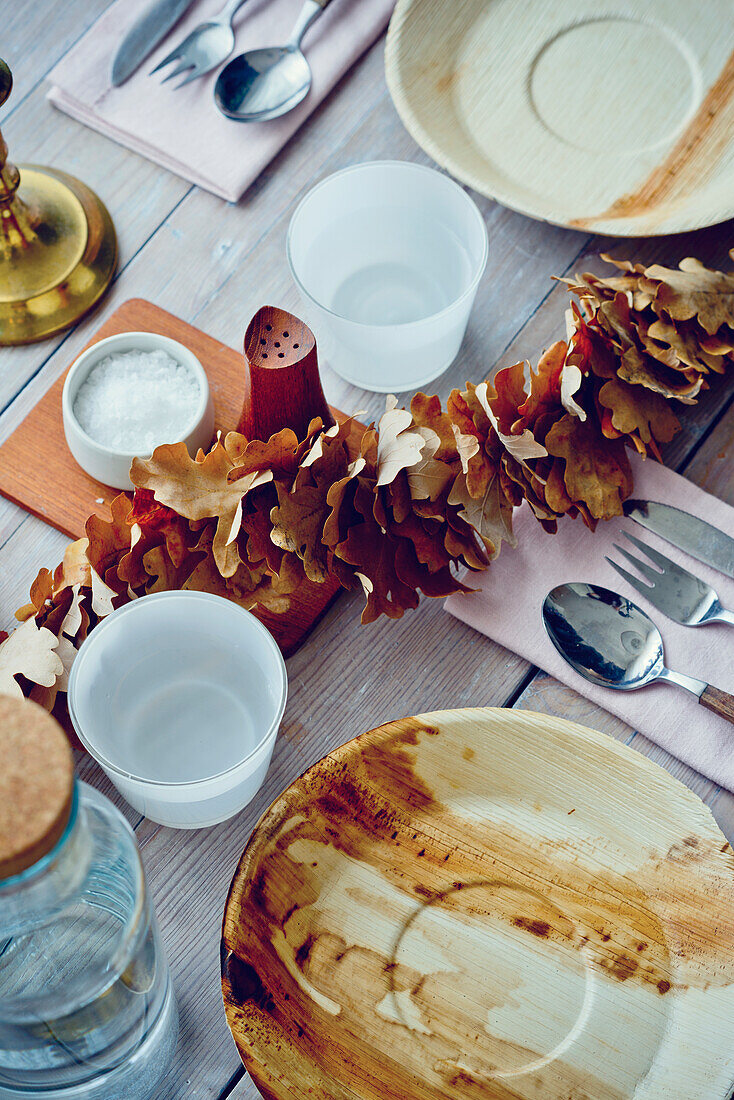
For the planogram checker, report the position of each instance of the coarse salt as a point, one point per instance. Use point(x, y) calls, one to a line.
point(133, 401)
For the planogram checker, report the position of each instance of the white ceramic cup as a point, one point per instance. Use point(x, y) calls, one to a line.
point(179, 697)
point(105, 464)
point(387, 257)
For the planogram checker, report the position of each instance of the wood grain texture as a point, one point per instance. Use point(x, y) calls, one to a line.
point(400, 928)
point(282, 383)
point(720, 702)
point(215, 264)
point(491, 91)
point(38, 444)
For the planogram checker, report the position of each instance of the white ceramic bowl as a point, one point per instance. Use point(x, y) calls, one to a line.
point(109, 466)
point(387, 257)
point(179, 697)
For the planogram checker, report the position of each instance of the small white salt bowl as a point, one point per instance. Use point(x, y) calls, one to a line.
point(179, 697)
point(105, 464)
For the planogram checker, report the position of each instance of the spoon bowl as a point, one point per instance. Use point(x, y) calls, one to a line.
point(266, 83)
point(263, 84)
point(604, 636)
point(610, 641)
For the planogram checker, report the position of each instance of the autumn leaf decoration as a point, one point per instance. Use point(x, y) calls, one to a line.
point(430, 493)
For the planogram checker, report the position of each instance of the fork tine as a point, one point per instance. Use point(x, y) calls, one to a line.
point(177, 71)
point(192, 76)
point(655, 556)
point(650, 574)
point(637, 584)
point(172, 56)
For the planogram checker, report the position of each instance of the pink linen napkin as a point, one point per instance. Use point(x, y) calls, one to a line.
point(182, 130)
point(507, 608)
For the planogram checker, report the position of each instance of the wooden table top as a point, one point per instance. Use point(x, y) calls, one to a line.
point(214, 264)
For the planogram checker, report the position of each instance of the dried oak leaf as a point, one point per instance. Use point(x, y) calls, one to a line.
point(103, 596)
point(694, 291)
point(75, 567)
point(29, 651)
point(299, 518)
point(243, 587)
point(521, 445)
point(680, 345)
point(41, 593)
point(280, 454)
point(529, 406)
point(163, 574)
point(399, 445)
point(109, 539)
point(635, 365)
point(476, 442)
point(642, 370)
point(636, 412)
point(430, 476)
point(597, 470)
point(490, 514)
point(259, 548)
point(46, 696)
point(427, 413)
point(154, 519)
point(75, 621)
point(298, 524)
point(590, 348)
point(199, 489)
point(371, 553)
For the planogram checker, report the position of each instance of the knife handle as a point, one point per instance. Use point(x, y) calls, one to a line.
point(720, 702)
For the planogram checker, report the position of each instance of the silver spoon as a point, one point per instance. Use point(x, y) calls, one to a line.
point(610, 641)
point(263, 84)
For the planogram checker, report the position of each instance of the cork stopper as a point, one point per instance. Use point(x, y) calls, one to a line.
point(36, 784)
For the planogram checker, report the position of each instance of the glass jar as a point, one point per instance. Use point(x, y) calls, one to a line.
point(86, 1002)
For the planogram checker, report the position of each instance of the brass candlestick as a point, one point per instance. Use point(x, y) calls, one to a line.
point(58, 247)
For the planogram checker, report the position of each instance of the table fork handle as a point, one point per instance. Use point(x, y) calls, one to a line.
point(228, 12)
point(720, 702)
point(722, 616)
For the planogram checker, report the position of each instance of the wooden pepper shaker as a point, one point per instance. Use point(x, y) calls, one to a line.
point(282, 383)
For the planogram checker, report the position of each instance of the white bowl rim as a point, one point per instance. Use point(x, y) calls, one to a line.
point(88, 359)
point(403, 164)
point(208, 597)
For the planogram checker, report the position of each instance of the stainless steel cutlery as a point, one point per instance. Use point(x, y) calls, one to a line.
point(689, 533)
point(144, 35)
point(254, 87)
point(679, 594)
point(610, 641)
point(267, 83)
point(205, 48)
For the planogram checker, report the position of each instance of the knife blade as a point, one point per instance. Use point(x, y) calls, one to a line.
point(144, 35)
point(689, 533)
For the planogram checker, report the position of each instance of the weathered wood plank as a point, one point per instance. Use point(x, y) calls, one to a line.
point(214, 264)
point(244, 1089)
point(31, 46)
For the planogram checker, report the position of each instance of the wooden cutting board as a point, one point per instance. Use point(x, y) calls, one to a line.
point(484, 905)
point(38, 473)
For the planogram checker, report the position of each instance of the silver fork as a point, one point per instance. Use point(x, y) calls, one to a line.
point(673, 590)
point(207, 46)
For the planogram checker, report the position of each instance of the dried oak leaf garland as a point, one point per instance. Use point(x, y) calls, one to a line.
point(431, 489)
